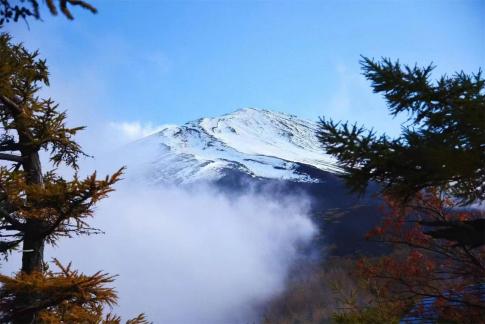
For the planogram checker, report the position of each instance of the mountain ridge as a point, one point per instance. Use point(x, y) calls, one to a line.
point(256, 142)
point(210, 151)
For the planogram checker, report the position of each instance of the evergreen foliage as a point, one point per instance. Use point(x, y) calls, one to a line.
point(37, 208)
point(442, 144)
point(427, 174)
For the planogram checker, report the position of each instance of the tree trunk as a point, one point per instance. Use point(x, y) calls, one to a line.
point(33, 244)
point(33, 251)
point(33, 235)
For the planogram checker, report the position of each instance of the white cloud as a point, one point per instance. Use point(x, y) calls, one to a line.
point(130, 131)
point(182, 256)
point(192, 255)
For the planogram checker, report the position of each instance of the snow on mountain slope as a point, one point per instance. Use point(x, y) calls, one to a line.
point(259, 143)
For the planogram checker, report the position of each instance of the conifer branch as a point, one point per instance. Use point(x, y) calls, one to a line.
point(16, 225)
point(9, 146)
point(10, 104)
point(10, 157)
point(38, 208)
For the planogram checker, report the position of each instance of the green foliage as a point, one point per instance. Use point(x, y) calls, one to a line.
point(438, 157)
point(441, 145)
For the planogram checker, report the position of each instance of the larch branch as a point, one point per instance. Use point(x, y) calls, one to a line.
point(12, 221)
point(10, 104)
point(10, 157)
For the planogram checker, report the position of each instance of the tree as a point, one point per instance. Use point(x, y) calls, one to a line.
point(443, 277)
point(36, 207)
point(441, 146)
point(14, 10)
point(429, 177)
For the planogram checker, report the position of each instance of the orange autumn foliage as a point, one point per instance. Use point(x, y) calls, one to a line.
point(37, 207)
point(443, 271)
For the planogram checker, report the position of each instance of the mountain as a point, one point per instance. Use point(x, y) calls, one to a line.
point(263, 150)
point(252, 142)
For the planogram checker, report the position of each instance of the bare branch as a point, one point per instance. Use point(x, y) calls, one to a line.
point(9, 146)
point(10, 157)
point(12, 221)
point(10, 104)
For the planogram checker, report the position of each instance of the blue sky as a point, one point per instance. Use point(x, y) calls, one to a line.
point(145, 63)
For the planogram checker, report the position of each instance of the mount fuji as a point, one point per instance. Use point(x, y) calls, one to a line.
point(249, 142)
point(261, 150)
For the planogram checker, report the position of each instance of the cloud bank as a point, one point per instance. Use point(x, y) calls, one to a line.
point(192, 256)
point(188, 255)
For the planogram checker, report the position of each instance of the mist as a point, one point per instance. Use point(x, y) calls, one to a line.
point(191, 256)
point(188, 254)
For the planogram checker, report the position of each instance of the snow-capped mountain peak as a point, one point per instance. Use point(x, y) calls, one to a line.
point(256, 142)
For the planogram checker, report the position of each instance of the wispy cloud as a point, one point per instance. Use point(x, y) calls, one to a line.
point(130, 131)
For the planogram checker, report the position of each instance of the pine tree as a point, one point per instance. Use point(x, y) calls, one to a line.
point(427, 175)
point(37, 207)
point(441, 145)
